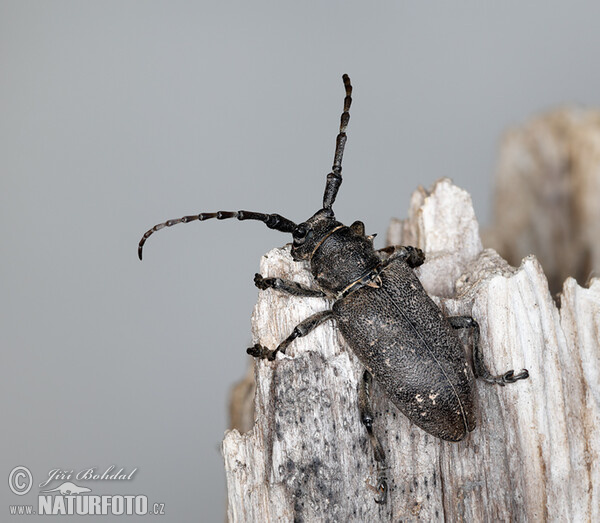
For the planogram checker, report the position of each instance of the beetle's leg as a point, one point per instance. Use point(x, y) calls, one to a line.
point(287, 286)
point(366, 413)
point(413, 256)
point(366, 417)
point(481, 370)
point(302, 329)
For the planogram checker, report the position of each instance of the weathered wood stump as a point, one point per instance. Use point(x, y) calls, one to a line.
point(534, 455)
point(546, 199)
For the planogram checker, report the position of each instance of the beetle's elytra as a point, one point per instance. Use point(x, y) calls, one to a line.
point(400, 336)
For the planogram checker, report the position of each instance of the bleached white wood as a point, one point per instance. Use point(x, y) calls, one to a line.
point(534, 455)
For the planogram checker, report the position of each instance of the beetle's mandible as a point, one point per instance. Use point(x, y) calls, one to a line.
point(398, 333)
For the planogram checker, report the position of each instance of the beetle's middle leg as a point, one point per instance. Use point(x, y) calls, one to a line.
point(481, 370)
point(302, 329)
point(366, 417)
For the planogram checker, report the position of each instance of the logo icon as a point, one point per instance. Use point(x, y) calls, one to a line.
point(68, 489)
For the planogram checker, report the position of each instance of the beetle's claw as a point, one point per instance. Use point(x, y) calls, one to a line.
point(382, 488)
point(511, 377)
point(261, 352)
point(524, 374)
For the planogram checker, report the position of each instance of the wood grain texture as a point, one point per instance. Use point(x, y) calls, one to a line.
point(534, 455)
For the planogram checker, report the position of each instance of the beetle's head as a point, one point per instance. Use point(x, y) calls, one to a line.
point(309, 235)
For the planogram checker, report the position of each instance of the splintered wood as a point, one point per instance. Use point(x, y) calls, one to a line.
point(535, 453)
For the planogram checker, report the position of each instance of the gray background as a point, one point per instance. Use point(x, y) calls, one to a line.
point(118, 115)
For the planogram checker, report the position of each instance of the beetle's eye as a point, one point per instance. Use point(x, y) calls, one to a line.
point(300, 233)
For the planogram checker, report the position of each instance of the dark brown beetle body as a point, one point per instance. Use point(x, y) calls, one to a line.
point(424, 370)
point(392, 325)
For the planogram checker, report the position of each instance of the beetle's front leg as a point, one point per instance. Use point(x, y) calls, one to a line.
point(287, 286)
point(481, 370)
point(413, 256)
point(366, 417)
point(302, 329)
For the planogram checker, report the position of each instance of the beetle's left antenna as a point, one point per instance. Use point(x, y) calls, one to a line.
point(272, 221)
point(334, 178)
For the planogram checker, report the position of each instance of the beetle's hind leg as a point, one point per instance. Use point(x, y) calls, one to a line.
point(481, 370)
point(287, 286)
point(367, 417)
point(302, 329)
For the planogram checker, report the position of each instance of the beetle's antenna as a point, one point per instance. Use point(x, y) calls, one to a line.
point(272, 221)
point(334, 178)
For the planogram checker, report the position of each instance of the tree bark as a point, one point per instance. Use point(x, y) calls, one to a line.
point(534, 454)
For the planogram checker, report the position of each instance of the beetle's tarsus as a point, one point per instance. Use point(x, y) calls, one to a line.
point(382, 488)
point(261, 352)
point(510, 377)
point(302, 329)
point(259, 281)
point(503, 379)
point(289, 287)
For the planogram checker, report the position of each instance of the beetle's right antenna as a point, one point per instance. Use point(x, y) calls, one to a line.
point(272, 221)
point(334, 178)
